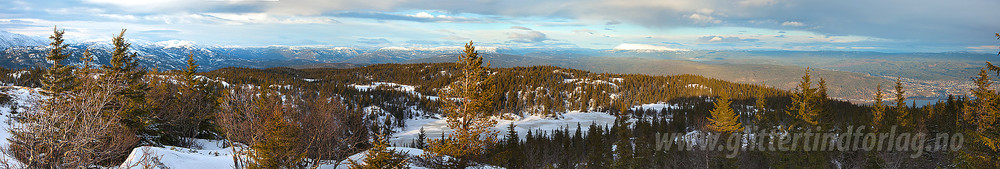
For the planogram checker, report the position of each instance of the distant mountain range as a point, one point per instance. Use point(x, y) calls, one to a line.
point(852, 75)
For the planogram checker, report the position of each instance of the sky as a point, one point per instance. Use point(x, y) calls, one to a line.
point(806, 25)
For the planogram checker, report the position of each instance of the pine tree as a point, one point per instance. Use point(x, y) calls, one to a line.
point(981, 114)
point(760, 105)
point(821, 90)
point(824, 117)
point(421, 141)
point(86, 60)
point(723, 118)
point(902, 111)
point(802, 102)
point(878, 109)
point(129, 103)
point(277, 147)
point(59, 78)
point(380, 157)
point(596, 152)
point(623, 151)
point(470, 114)
point(189, 71)
point(512, 153)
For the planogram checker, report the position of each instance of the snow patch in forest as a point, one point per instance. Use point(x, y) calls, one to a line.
point(394, 86)
point(656, 107)
point(592, 82)
point(436, 127)
point(698, 86)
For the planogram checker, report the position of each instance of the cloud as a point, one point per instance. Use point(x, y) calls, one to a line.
point(702, 18)
point(984, 48)
point(120, 17)
point(265, 18)
point(418, 17)
point(155, 7)
point(585, 31)
point(161, 31)
point(373, 41)
point(17, 23)
point(612, 22)
point(427, 43)
point(724, 39)
point(757, 3)
point(792, 23)
point(629, 46)
point(520, 27)
point(527, 37)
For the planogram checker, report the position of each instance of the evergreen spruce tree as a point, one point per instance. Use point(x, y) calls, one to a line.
point(421, 141)
point(513, 155)
point(802, 102)
point(760, 105)
point(723, 118)
point(596, 151)
point(469, 114)
point(623, 150)
point(824, 117)
point(878, 109)
point(190, 70)
point(128, 103)
point(821, 89)
point(277, 147)
point(982, 115)
point(86, 60)
point(58, 78)
point(902, 112)
point(380, 157)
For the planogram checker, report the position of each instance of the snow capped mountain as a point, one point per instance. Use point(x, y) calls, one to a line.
point(8, 39)
point(24, 51)
point(176, 44)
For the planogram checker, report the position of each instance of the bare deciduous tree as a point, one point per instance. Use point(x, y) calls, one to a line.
point(68, 130)
point(333, 131)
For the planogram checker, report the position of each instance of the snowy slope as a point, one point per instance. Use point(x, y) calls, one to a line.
point(211, 155)
point(8, 40)
point(21, 98)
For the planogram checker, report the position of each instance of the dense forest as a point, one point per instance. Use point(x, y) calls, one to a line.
point(302, 118)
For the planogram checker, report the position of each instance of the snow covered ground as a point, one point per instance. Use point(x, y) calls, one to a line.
point(211, 153)
point(21, 98)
